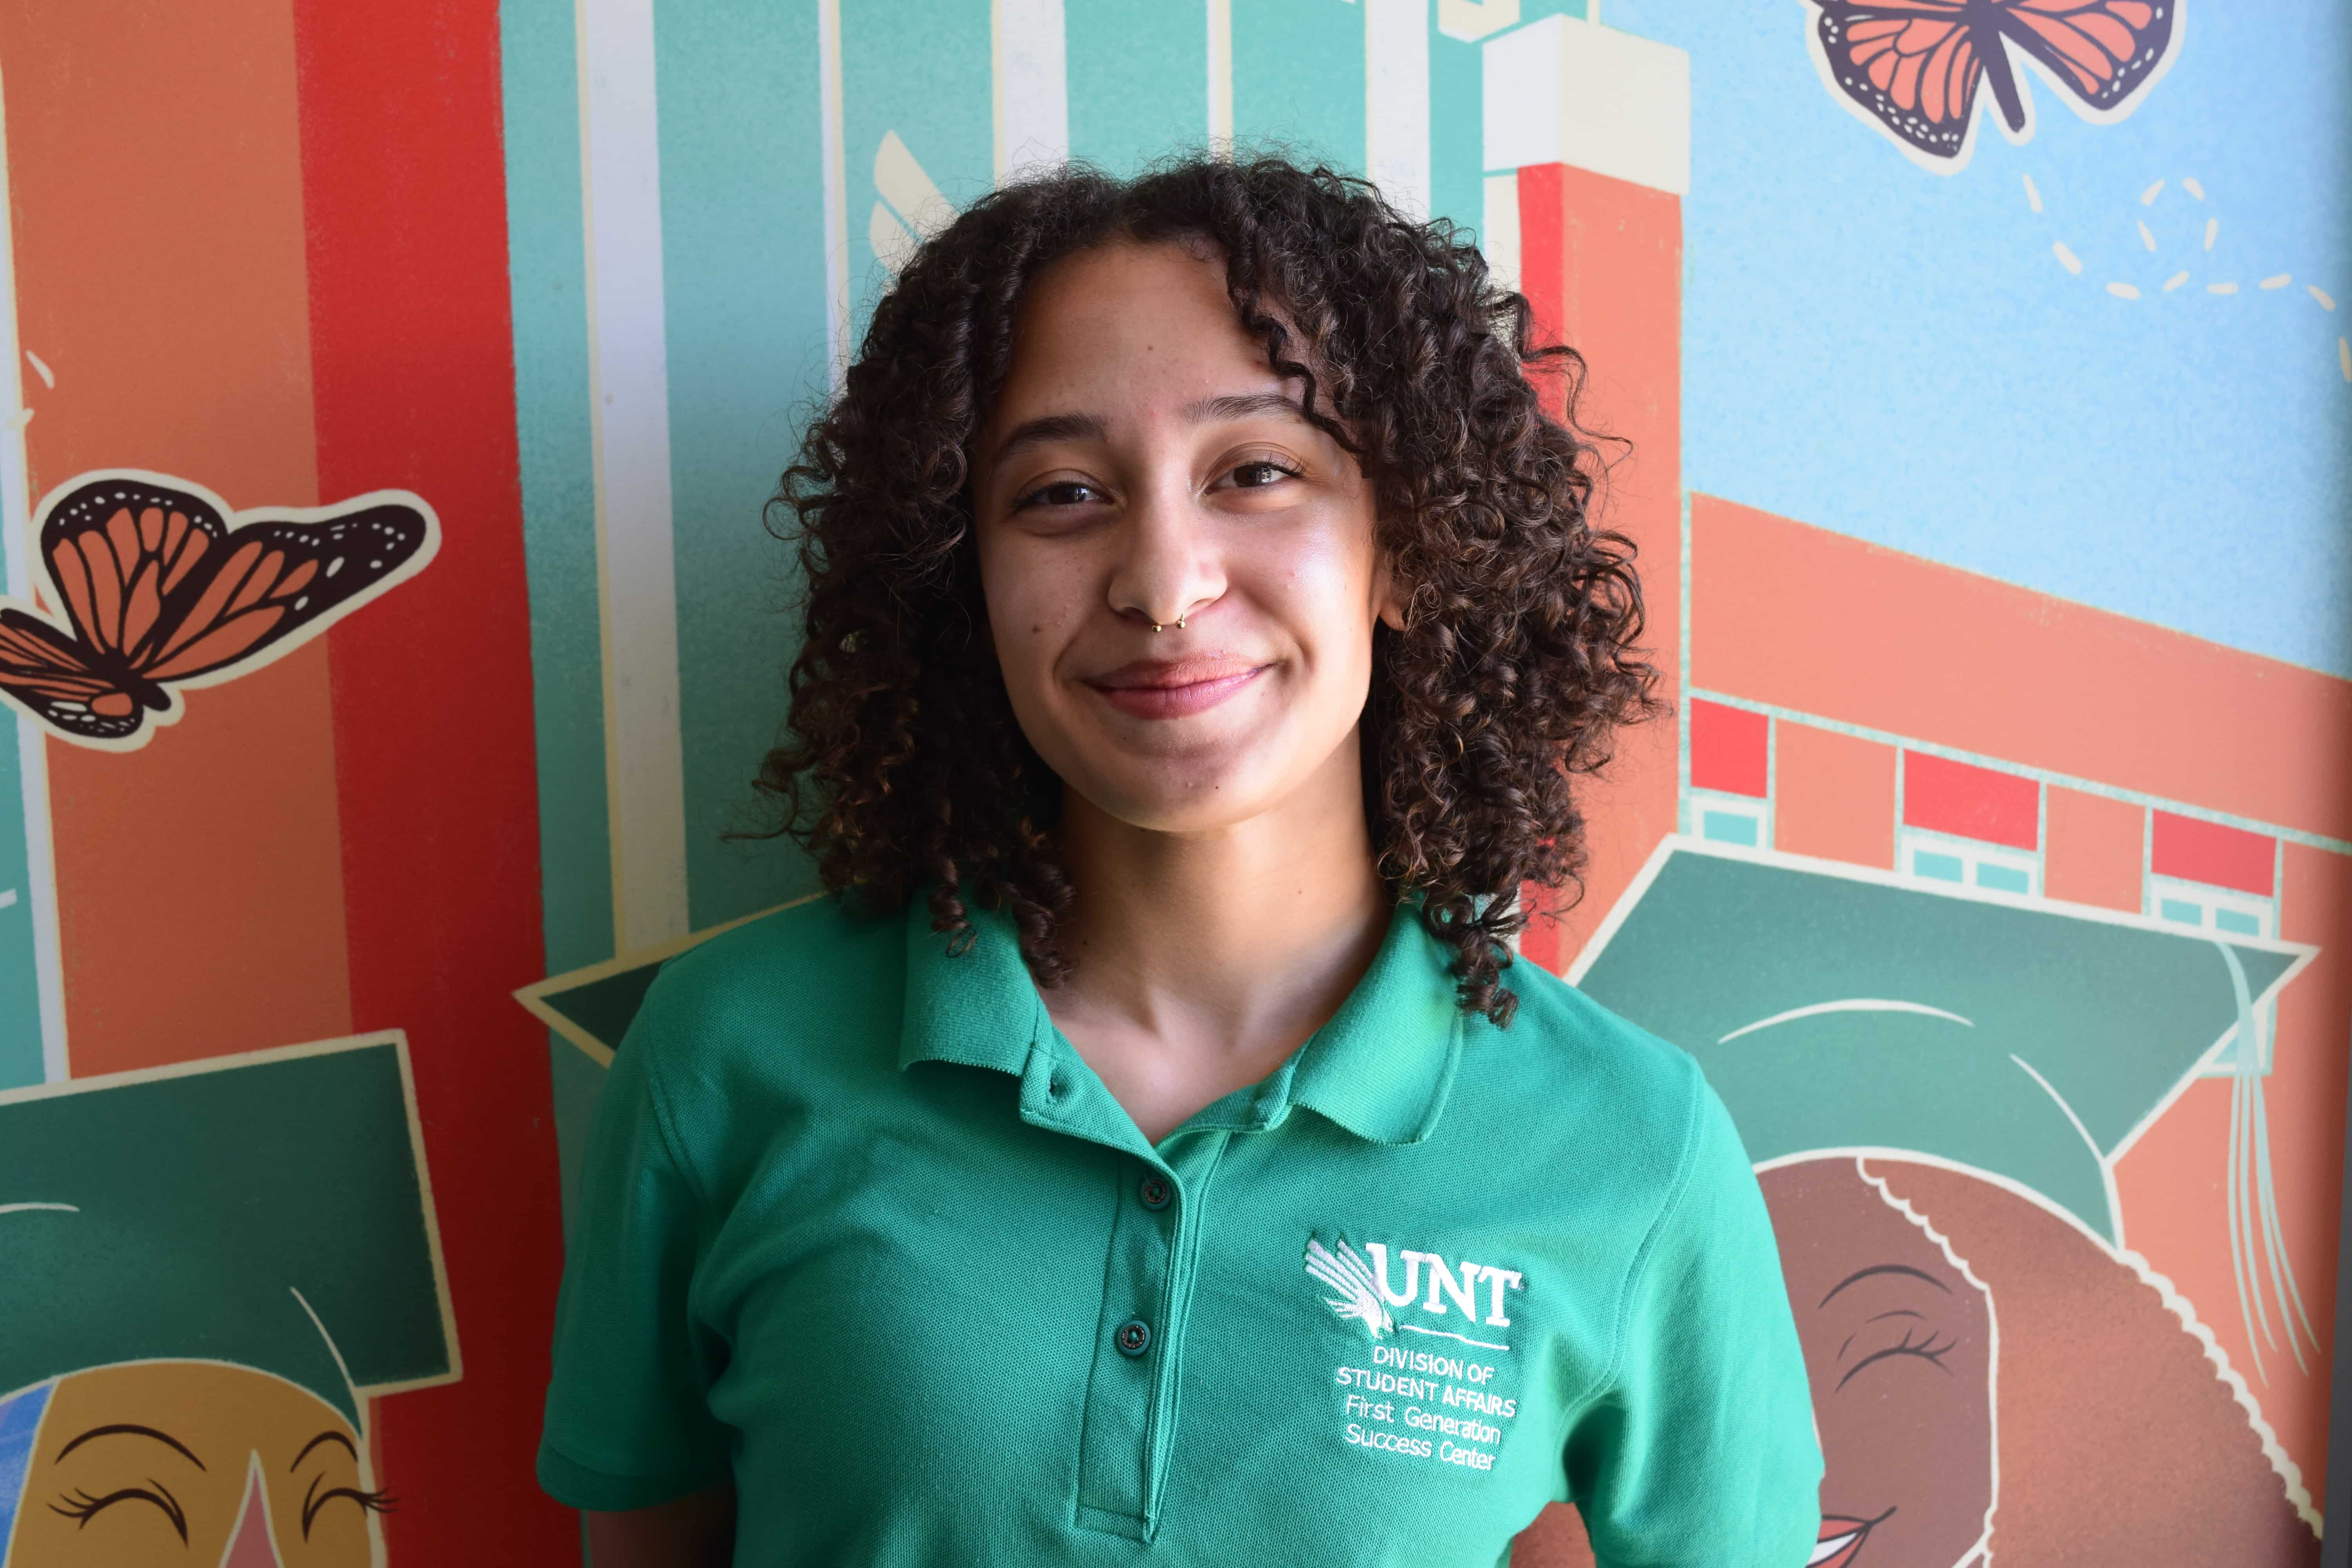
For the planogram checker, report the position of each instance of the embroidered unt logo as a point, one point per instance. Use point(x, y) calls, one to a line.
point(1365, 1293)
point(1359, 1293)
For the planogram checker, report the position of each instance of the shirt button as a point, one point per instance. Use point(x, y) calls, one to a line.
point(1134, 1337)
point(1156, 1193)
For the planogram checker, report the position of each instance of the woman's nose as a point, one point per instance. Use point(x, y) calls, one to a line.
point(1169, 568)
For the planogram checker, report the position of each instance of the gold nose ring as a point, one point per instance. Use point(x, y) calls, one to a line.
point(1158, 627)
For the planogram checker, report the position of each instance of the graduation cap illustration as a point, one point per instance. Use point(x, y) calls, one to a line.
point(269, 1211)
point(1837, 1007)
point(593, 1005)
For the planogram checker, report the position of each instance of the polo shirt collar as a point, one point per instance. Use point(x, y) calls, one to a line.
point(1381, 1067)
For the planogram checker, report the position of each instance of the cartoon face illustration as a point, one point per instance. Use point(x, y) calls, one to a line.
point(192, 1326)
point(1900, 1348)
point(201, 1462)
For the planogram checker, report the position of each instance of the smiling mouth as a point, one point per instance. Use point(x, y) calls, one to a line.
point(1840, 1539)
point(1146, 689)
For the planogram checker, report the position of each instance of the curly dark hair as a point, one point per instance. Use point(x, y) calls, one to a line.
point(903, 765)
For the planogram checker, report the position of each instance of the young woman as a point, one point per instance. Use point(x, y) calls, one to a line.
point(1140, 1155)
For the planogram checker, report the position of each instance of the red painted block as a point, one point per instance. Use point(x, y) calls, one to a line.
point(2210, 853)
point(1730, 749)
point(1945, 797)
point(412, 362)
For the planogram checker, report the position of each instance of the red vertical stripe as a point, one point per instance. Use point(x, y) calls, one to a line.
point(2210, 853)
point(403, 188)
point(1600, 263)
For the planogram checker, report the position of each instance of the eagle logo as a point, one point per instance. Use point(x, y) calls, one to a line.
point(1360, 1292)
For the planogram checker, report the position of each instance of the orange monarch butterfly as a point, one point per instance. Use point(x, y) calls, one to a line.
point(162, 591)
point(1913, 67)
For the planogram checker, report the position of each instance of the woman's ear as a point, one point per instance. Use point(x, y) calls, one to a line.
point(1388, 595)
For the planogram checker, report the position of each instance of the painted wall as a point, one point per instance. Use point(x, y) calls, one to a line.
point(391, 635)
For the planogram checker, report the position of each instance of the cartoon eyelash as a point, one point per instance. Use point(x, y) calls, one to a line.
point(1927, 1350)
point(373, 1502)
point(81, 1507)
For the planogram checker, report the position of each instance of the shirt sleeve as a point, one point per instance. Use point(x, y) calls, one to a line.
point(1701, 1448)
point(628, 1423)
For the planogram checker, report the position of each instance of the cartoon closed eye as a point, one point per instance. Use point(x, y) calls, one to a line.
point(1913, 67)
point(161, 592)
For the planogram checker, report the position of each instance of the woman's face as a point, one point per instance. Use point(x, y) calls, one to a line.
point(1143, 464)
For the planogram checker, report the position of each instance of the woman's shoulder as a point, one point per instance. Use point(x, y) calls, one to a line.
point(1593, 1072)
point(818, 968)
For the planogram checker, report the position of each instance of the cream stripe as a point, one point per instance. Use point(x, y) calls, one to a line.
point(32, 747)
point(628, 371)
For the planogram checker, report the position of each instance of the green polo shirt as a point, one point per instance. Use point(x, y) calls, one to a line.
point(861, 1232)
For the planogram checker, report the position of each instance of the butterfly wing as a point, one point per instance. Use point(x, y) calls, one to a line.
point(159, 590)
point(274, 583)
point(56, 679)
point(2101, 52)
point(121, 548)
point(1912, 65)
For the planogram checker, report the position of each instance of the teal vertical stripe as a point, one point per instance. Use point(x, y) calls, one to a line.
point(743, 302)
point(547, 268)
point(920, 67)
point(1457, 129)
point(20, 997)
point(1139, 79)
point(1299, 79)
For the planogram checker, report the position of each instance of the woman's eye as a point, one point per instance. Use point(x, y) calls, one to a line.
point(1061, 493)
point(1258, 475)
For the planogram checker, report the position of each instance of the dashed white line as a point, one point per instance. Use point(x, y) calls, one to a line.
point(2316, 292)
point(2066, 258)
point(2343, 357)
point(2220, 288)
point(2147, 240)
point(49, 377)
point(2175, 281)
point(2212, 228)
point(2032, 196)
point(2147, 197)
point(2123, 291)
point(2276, 280)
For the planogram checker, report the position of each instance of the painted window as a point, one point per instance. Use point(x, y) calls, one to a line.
point(2221, 879)
point(1972, 827)
point(1730, 797)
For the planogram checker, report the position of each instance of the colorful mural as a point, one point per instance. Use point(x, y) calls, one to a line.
point(1996, 863)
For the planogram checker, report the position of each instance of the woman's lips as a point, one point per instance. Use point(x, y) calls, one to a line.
point(1173, 689)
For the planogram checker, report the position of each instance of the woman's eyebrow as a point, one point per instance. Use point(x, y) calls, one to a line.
point(1049, 427)
point(330, 1436)
point(1242, 406)
point(128, 1429)
point(1861, 1274)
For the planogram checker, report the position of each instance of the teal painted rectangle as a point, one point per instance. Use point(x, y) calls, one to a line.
point(1943, 867)
point(2235, 921)
point(2182, 909)
point(744, 308)
point(2003, 878)
point(20, 996)
point(547, 273)
point(1139, 79)
point(920, 67)
point(1457, 131)
point(1728, 827)
point(1299, 81)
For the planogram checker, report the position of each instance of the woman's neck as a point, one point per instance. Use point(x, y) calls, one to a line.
point(1200, 961)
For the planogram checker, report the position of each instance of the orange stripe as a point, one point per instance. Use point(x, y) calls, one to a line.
point(155, 164)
